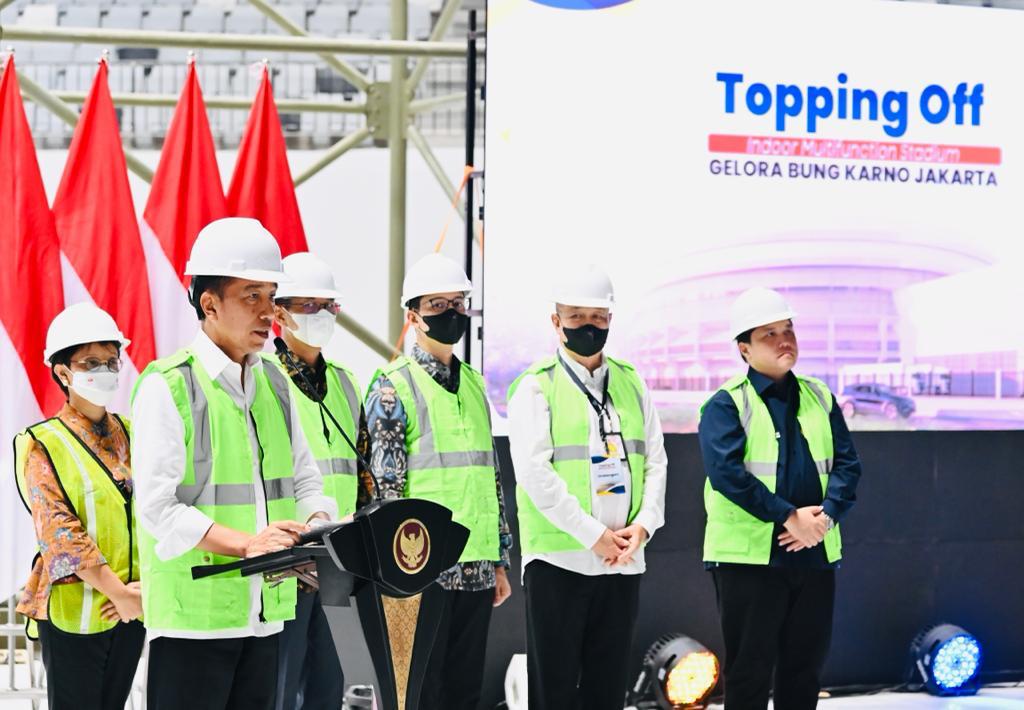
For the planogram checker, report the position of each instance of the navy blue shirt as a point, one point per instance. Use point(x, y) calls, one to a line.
point(722, 443)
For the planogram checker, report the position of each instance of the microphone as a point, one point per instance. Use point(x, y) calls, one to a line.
point(282, 350)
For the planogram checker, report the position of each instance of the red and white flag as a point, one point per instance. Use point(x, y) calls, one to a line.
point(30, 296)
point(99, 232)
point(261, 185)
point(185, 196)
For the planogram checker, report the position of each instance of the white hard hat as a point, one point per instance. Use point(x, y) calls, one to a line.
point(238, 247)
point(310, 276)
point(756, 307)
point(589, 287)
point(434, 273)
point(80, 324)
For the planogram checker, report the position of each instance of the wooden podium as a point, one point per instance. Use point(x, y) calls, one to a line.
point(377, 584)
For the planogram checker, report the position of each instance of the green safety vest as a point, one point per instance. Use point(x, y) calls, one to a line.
point(334, 457)
point(92, 495)
point(218, 482)
point(570, 436)
point(450, 450)
point(734, 535)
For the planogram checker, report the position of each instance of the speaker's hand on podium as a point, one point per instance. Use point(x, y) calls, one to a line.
point(502, 587)
point(279, 535)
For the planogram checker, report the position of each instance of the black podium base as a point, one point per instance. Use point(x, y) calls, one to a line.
point(377, 578)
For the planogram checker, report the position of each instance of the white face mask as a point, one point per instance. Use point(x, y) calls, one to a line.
point(314, 329)
point(98, 387)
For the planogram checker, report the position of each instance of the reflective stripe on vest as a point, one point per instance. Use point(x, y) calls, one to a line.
point(574, 452)
point(202, 492)
point(108, 519)
point(767, 468)
point(327, 467)
point(450, 450)
point(570, 437)
point(428, 456)
point(218, 481)
point(732, 535)
point(334, 457)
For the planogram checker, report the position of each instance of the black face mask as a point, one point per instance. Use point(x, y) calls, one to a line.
point(447, 327)
point(586, 340)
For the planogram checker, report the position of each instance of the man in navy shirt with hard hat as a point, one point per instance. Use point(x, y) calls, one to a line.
point(782, 473)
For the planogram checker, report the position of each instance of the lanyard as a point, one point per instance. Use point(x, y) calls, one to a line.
point(601, 408)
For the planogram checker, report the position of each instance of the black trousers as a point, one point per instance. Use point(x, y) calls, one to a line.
point(455, 672)
point(309, 673)
point(216, 674)
point(579, 630)
point(775, 621)
point(90, 670)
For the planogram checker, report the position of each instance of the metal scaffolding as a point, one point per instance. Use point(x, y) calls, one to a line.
point(388, 108)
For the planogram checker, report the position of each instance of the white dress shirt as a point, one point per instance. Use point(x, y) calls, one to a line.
point(529, 418)
point(158, 468)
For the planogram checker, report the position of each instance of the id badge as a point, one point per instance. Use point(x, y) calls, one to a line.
point(608, 475)
point(615, 447)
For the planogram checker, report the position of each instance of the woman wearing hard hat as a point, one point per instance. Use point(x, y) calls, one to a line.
point(74, 475)
point(432, 384)
point(781, 473)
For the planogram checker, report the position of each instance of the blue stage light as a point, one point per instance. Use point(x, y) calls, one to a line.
point(948, 659)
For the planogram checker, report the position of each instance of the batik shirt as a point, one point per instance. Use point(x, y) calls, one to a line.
point(386, 421)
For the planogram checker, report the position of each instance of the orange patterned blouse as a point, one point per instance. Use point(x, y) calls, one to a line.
point(64, 545)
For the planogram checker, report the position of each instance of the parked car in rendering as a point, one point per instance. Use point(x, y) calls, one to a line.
point(873, 398)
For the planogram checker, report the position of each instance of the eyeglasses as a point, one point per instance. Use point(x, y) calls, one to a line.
point(94, 363)
point(310, 307)
point(440, 304)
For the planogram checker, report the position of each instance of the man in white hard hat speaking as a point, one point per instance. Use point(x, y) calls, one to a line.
point(310, 673)
point(781, 473)
point(222, 471)
point(430, 432)
point(590, 466)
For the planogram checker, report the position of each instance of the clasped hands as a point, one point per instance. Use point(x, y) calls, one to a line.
point(617, 547)
point(805, 527)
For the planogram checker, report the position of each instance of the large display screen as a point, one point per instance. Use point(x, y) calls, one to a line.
point(861, 157)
